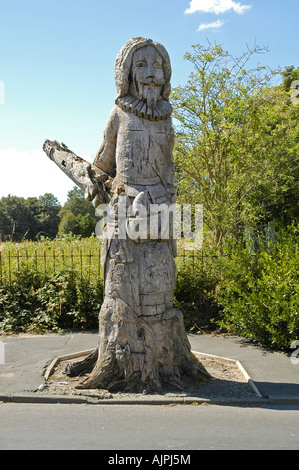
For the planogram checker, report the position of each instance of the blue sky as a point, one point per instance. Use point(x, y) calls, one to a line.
point(57, 67)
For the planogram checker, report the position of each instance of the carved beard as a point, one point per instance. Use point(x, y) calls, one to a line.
point(144, 99)
point(150, 94)
point(149, 91)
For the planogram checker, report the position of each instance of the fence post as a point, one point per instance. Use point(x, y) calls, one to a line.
point(89, 265)
point(45, 263)
point(54, 261)
point(9, 267)
point(62, 257)
point(35, 260)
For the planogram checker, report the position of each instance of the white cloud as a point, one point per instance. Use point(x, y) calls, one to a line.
point(215, 25)
point(217, 6)
point(31, 174)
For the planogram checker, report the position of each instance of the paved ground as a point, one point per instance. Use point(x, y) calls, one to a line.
point(273, 372)
point(31, 421)
point(164, 430)
point(26, 358)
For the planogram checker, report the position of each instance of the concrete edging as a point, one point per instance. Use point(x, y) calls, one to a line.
point(239, 365)
point(45, 398)
point(58, 359)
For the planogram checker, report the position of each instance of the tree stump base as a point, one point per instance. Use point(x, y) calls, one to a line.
point(147, 354)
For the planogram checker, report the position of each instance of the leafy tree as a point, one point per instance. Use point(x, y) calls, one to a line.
point(76, 203)
point(236, 140)
point(49, 216)
point(17, 217)
point(5, 225)
point(28, 218)
point(289, 74)
point(77, 215)
point(49, 200)
point(43, 216)
point(69, 224)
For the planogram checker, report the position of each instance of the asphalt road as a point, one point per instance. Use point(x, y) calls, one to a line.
point(163, 428)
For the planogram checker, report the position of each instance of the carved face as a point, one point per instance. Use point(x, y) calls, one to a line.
point(147, 75)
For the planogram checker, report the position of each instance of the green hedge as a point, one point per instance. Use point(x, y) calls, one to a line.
point(198, 279)
point(260, 295)
point(33, 302)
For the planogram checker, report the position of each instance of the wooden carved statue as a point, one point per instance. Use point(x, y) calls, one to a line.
point(142, 340)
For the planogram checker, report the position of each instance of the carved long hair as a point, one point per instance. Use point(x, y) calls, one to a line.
point(124, 62)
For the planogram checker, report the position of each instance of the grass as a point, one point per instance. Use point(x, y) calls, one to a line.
point(50, 256)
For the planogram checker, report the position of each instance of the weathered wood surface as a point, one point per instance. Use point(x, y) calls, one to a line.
point(95, 183)
point(142, 340)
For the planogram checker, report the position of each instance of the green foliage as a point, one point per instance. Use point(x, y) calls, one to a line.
point(40, 291)
point(36, 303)
point(289, 74)
point(260, 295)
point(198, 278)
point(76, 203)
point(82, 225)
point(33, 218)
point(28, 218)
point(77, 215)
point(236, 148)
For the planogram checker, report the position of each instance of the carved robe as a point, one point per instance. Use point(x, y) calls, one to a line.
point(137, 152)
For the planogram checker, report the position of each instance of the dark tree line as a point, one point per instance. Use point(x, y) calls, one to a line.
point(33, 218)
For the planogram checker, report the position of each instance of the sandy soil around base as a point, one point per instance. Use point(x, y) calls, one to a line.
point(227, 381)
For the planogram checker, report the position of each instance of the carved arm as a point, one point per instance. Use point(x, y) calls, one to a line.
point(94, 182)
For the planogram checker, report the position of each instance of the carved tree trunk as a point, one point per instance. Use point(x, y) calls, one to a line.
point(143, 354)
point(142, 340)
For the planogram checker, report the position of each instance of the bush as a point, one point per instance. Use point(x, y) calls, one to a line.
point(197, 281)
point(260, 298)
point(33, 302)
